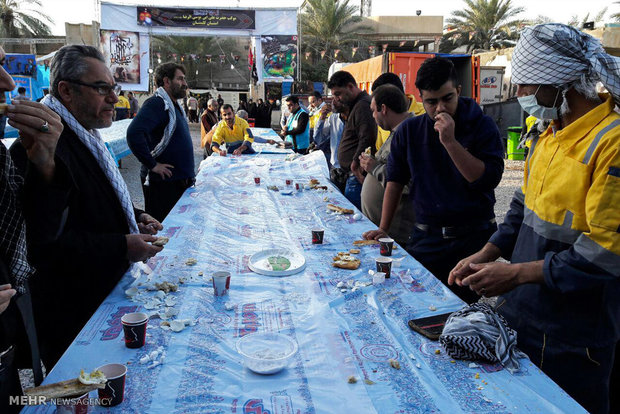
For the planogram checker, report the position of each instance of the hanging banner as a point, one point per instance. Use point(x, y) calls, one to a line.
point(121, 51)
point(210, 18)
point(279, 56)
point(20, 64)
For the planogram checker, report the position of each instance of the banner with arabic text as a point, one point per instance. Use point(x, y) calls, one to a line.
point(210, 18)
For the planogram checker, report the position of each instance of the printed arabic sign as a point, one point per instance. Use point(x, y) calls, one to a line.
point(122, 54)
point(211, 18)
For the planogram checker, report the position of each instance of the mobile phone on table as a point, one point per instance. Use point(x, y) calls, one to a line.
point(431, 326)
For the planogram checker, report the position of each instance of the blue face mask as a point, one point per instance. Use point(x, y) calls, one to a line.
point(530, 105)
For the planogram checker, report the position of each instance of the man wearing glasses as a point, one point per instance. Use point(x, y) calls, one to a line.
point(100, 232)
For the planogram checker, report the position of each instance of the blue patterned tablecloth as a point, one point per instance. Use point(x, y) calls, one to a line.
point(221, 222)
point(115, 138)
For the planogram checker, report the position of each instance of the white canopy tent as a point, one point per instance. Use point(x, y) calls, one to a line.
point(123, 17)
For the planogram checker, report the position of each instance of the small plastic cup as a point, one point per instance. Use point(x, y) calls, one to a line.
point(289, 182)
point(134, 326)
point(73, 405)
point(317, 236)
point(114, 391)
point(256, 180)
point(378, 278)
point(221, 283)
point(386, 245)
point(384, 265)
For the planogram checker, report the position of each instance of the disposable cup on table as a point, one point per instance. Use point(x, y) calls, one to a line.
point(73, 405)
point(114, 391)
point(386, 244)
point(317, 236)
point(134, 327)
point(289, 182)
point(256, 180)
point(221, 283)
point(384, 264)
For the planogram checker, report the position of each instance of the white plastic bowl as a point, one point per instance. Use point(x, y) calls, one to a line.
point(266, 352)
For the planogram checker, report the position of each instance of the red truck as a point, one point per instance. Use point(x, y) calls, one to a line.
point(406, 65)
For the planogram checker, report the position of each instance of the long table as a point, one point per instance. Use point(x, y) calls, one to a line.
point(221, 222)
point(115, 138)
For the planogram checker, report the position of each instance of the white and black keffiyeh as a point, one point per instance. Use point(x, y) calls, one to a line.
point(13, 234)
point(478, 332)
point(558, 55)
point(172, 124)
point(92, 140)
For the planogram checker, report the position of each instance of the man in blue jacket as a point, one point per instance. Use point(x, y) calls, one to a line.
point(159, 137)
point(453, 157)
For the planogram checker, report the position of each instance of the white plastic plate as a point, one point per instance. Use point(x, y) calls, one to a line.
point(277, 262)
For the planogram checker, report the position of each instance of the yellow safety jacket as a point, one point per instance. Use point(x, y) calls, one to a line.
point(567, 213)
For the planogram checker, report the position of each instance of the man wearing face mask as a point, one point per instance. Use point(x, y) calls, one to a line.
point(453, 158)
point(561, 291)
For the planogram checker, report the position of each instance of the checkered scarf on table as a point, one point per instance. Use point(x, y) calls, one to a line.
point(92, 140)
point(13, 234)
point(558, 55)
point(478, 332)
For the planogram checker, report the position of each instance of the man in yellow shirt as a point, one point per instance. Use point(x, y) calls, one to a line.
point(415, 107)
point(122, 107)
point(232, 131)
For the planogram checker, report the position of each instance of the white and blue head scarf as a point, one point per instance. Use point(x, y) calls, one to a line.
point(559, 55)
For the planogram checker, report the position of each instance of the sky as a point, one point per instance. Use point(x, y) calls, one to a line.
point(83, 11)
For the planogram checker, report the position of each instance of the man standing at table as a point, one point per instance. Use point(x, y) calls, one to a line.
point(453, 157)
point(159, 137)
point(297, 128)
point(561, 291)
point(360, 132)
point(316, 103)
point(134, 106)
point(389, 107)
point(327, 136)
point(208, 120)
point(21, 199)
point(232, 131)
point(99, 235)
point(122, 107)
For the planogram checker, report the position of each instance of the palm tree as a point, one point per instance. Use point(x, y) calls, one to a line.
point(616, 15)
point(575, 21)
point(23, 18)
point(328, 25)
point(483, 24)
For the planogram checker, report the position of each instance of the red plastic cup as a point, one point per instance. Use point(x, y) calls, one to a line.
point(221, 283)
point(386, 245)
point(289, 182)
point(134, 327)
point(114, 391)
point(384, 264)
point(317, 236)
point(256, 180)
point(73, 405)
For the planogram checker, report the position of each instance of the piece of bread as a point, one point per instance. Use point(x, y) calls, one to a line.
point(368, 151)
point(161, 241)
point(344, 260)
point(365, 242)
point(339, 209)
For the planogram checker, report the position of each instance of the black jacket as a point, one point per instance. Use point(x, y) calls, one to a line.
point(77, 270)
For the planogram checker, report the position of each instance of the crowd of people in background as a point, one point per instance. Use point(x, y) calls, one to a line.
point(423, 172)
